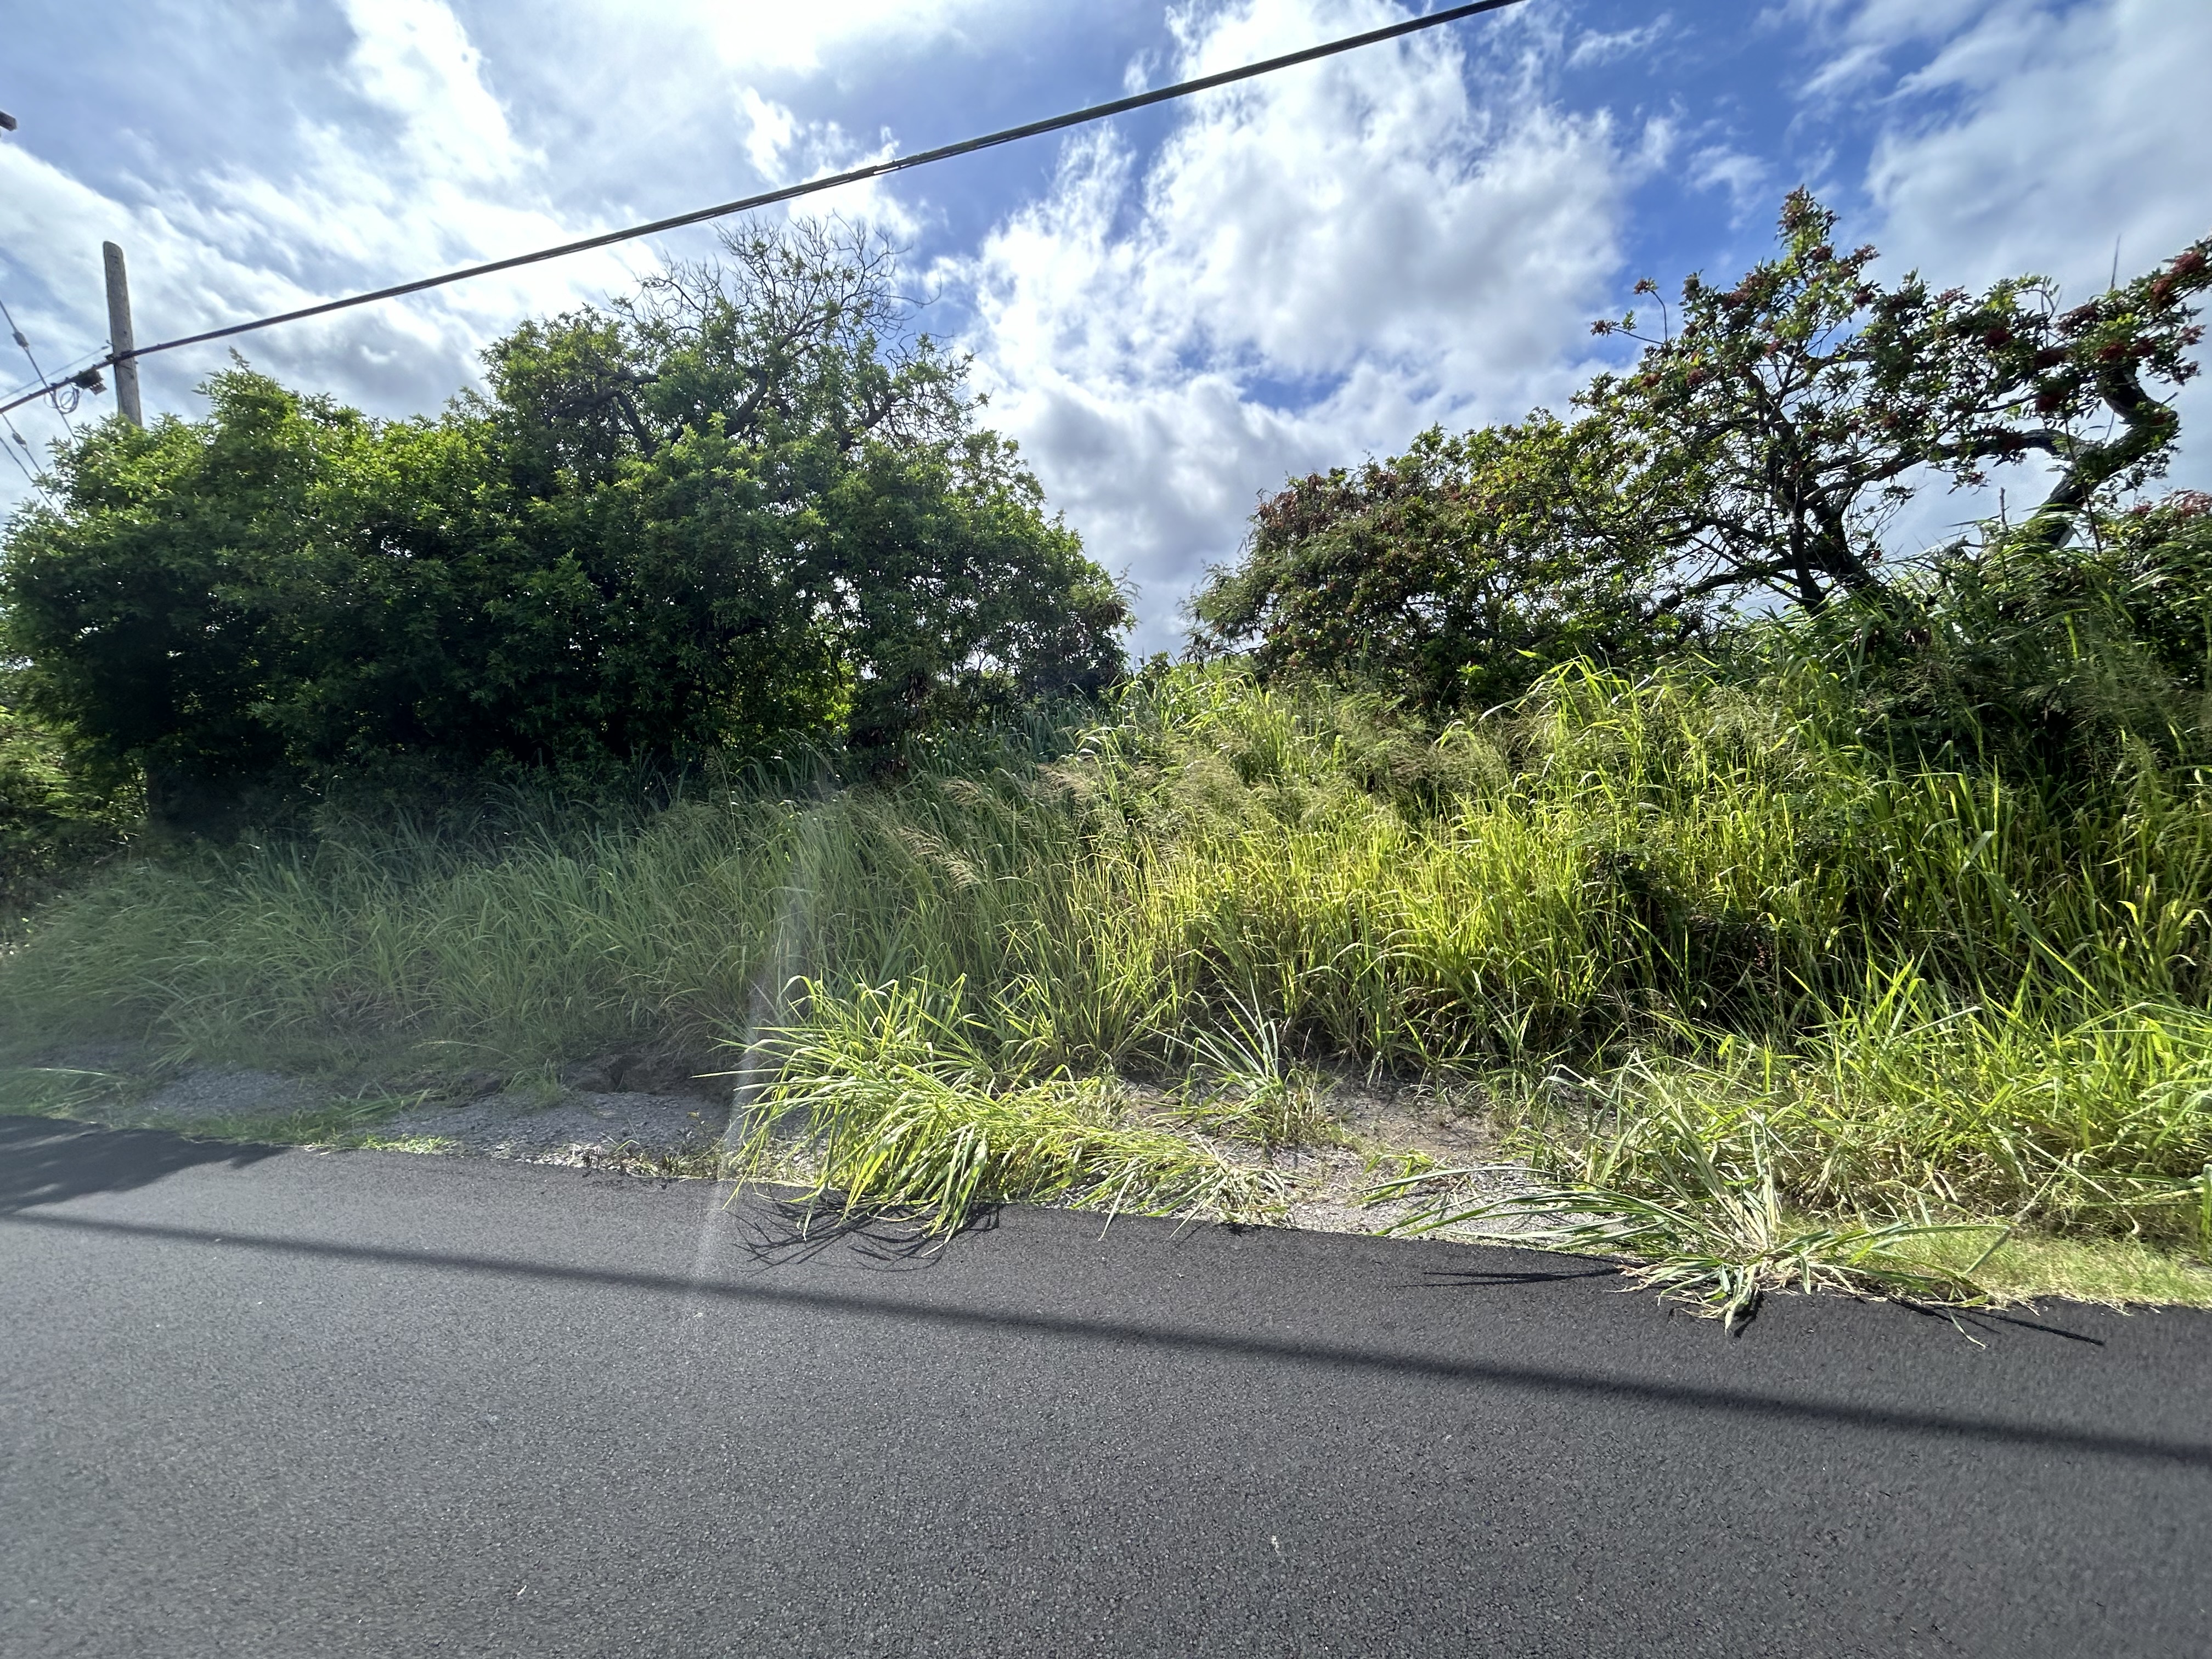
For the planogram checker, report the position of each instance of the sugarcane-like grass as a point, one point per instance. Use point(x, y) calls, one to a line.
point(1950, 997)
point(880, 1105)
point(1694, 1200)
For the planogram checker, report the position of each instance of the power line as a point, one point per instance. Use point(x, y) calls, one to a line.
point(22, 466)
point(62, 378)
point(23, 341)
point(792, 193)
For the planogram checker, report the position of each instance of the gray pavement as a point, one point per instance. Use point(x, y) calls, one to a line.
point(289, 1403)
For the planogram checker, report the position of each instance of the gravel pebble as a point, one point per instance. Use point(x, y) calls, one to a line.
point(208, 1093)
point(580, 1128)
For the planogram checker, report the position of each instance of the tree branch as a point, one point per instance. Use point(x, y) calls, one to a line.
point(2145, 426)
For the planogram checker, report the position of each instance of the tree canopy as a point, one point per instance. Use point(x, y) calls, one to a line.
point(1758, 448)
point(745, 508)
point(1452, 571)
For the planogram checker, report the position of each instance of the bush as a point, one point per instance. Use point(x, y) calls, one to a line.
point(55, 820)
point(746, 514)
point(2012, 656)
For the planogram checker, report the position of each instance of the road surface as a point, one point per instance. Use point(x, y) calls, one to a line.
point(263, 1402)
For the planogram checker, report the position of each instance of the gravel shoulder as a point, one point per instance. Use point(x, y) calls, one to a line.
point(589, 1128)
point(649, 1116)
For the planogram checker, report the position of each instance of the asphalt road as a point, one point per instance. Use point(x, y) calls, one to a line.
point(285, 1403)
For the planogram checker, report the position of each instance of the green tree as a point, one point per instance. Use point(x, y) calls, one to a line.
point(750, 508)
point(139, 605)
point(918, 542)
point(1759, 447)
point(1454, 572)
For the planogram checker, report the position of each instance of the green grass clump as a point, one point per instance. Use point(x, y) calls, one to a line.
point(880, 1104)
point(1895, 1148)
point(1694, 1199)
point(1903, 1103)
point(1243, 1086)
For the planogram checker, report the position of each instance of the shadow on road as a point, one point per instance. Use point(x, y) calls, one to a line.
point(1617, 1388)
point(1475, 1278)
point(45, 1160)
point(799, 1230)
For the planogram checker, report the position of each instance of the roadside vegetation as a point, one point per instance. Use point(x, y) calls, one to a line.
point(1789, 917)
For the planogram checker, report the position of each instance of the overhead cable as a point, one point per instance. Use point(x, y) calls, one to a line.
point(22, 466)
point(832, 181)
point(23, 342)
point(63, 376)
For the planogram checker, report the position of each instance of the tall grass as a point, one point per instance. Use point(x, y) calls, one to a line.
point(899, 1109)
point(1934, 983)
point(1902, 1104)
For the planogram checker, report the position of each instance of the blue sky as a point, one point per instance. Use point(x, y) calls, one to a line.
point(1171, 313)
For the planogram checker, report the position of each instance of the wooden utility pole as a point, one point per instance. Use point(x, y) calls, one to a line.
point(119, 335)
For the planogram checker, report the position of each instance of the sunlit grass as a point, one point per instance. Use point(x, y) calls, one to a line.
point(2030, 1265)
point(880, 1104)
point(1945, 997)
point(1695, 1202)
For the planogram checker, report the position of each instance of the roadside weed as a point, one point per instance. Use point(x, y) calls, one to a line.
point(881, 1104)
point(1244, 1087)
point(1696, 1208)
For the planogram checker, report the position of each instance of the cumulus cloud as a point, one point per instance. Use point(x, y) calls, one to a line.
point(388, 143)
point(2047, 137)
point(425, 172)
point(2059, 131)
point(1310, 267)
point(775, 36)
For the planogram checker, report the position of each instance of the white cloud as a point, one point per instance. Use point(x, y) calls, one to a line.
point(2040, 137)
point(433, 176)
point(784, 149)
point(1746, 179)
point(1593, 47)
point(776, 36)
point(769, 129)
point(413, 58)
point(1859, 37)
point(2065, 128)
point(1311, 267)
point(392, 150)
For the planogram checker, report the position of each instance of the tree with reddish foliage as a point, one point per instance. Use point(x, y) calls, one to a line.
point(1761, 444)
point(1453, 573)
point(1784, 422)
